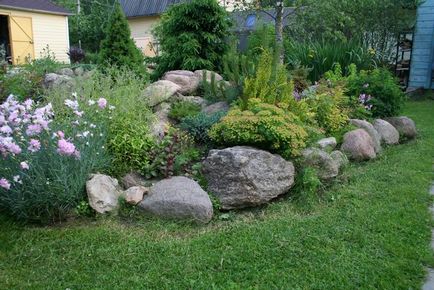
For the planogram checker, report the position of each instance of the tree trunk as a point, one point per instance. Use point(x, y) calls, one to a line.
point(279, 31)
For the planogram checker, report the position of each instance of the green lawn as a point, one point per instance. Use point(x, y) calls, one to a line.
point(371, 231)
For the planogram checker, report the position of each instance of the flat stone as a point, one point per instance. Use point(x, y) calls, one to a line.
point(134, 195)
point(160, 91)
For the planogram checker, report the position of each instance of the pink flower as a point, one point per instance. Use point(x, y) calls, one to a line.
point(13, 148)
point(6, 130)
point(65, 148)
point(34, 145)
point(102, 103)
point(34, 129)
point(60, 134)
point(78, 113)
point(24, 165)
point(5, 183)
point(77, 154)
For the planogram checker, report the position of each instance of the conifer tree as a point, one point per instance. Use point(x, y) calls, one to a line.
point(118, 49)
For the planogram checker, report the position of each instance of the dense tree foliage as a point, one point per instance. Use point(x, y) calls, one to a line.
point(118, 48)
point(88, 25)
point(192, 36)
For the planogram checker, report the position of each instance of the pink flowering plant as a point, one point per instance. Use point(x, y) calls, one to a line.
point(46, 159)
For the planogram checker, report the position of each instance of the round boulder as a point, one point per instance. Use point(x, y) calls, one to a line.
point(326, 167)
point(340, 158)
point(160, 91)
point(327, 144)
point(216, 107)
point(244, 177)
point(358, 145)
point(405, 126)
point(389, 135)
point(208, 75)
point(376, 138)
point(178, 198)
point(103, 193)
point(134, 195)
point(187, 80)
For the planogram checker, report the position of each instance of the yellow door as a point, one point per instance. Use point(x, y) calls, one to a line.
point(21, 34)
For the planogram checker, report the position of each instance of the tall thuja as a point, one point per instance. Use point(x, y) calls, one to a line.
point(118, 49)
point(192, 36)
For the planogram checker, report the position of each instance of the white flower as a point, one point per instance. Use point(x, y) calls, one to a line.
point(92, 126)
point(85, 134)
point(71, 104)
point(91, 102)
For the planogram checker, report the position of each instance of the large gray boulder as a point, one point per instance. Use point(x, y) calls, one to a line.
point(389, 135)
point(358, 145)
point(324, 164)
point(376, 138)
point(66, 72)
point(160, 91)
point(327, 144)
point(187, 80)
point(405, 126)
point(133, 179)
point(194, 100)
point(53, 80)
point(103, 193)
point(178, 198)
point(208, 76)
point(244, 177)
point(161, 122)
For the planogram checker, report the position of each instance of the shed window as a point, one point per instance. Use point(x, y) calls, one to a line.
point(251, 20)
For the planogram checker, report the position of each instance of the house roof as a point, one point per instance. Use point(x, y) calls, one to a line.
point(44, 6)
point(242, 18)
point(137, 8)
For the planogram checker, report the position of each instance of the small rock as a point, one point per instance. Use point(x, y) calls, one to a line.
point(405, 126)
point(244, 177)
point(376, 138)
point(133, 179)
point(160, 91)
point(208, 76)
point(134, 195)
point(216, 107)
point(195, 100)
point(326, 167)
point(178, 198)
point(66, 72)
point(52, 80)
point(389, 135)
point(187, 80)
point(340, 158)
point(327, 144)
point(79, 71)
point(358, 145)
point(103, 193)
point(161, 123)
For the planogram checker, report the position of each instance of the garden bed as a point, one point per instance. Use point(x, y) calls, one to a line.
point(370, 230)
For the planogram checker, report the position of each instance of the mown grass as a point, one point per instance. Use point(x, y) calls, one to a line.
point(371, 231)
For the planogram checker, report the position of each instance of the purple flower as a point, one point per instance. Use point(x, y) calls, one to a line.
point(4, 183)
point(6, 130)
point(65, 148)
point(34, 129)
point(34, 145)
point(13, 148)
point(24, 165)
point(102, 103)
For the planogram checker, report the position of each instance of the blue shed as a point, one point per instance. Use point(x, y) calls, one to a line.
point(421, 75)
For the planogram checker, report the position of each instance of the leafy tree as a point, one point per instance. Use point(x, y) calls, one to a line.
point(192, 36)
point(117, 48)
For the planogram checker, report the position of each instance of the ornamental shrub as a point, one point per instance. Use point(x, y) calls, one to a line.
point(198, 125)
point(46, 161)
point(118, 48)
point(262, 125)
point(181, 110)
point(192, 36)
point(378, 90)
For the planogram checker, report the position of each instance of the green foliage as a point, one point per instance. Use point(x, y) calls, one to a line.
point(270, 83)
point(306, 188)
point(322, 56)
point(214, 91)
point(261, 38)
point(84, 209)
point(118, 48)
point(198, 125)
point(182, 110)
point(387, 97)
point(174, 155)
point(262, 125)
point(192, 36)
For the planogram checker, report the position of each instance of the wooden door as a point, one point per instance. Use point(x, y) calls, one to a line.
point(21, 35)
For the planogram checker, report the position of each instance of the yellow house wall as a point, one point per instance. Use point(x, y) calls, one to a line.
point(48, 29)
point(141, 32)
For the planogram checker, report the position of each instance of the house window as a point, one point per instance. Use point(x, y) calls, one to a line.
point(251, 20)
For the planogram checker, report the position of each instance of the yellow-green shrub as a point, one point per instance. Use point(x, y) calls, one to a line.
point(262, 125)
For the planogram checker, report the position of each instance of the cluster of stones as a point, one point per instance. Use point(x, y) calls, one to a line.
point(180, 85)
point(64, 77)
point(242, 176)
